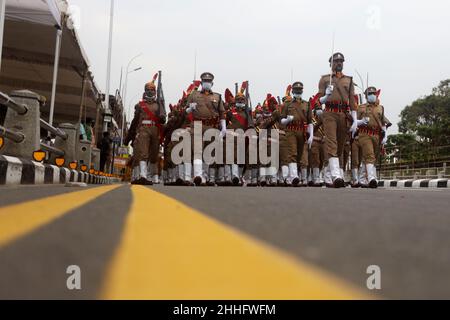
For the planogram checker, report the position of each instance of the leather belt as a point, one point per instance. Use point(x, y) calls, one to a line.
point(370, 132)
point(213, 122)
point(337, 107)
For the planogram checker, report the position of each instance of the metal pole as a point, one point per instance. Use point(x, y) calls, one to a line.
point(17, 137)
point(123, 107)
point(21, 109)
point(125, 89)
point(108, 67)
point(83, 89)
point(2, 27)
point(55, 74)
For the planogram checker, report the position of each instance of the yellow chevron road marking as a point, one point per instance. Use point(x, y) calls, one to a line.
point(170, 251)
point(20, 219)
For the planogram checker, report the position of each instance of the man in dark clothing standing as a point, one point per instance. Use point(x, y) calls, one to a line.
point(105, 149)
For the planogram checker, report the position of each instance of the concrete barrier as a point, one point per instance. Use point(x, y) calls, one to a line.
point(28, 124)
point(15, 171)
point(415, 184)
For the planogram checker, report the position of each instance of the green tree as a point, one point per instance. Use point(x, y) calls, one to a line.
point(428, 118)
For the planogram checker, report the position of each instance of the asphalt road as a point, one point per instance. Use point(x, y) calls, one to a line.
point(342, 232)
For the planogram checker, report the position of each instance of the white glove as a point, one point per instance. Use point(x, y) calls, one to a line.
point(319, 112)
point(287, 120)
point(311, 135)
point(192, 107)
point(385, 136)
point(354, 127)
point(363, 122)
point(329, 90)
point(328, 93)
point(223, 130)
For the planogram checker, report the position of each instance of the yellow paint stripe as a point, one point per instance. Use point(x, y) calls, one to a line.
point(170, 251)
point(20, 219)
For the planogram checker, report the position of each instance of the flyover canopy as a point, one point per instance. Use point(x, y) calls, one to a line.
point(45, 12)
point(29, 53)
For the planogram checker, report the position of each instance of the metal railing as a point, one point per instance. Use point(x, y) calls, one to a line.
point(5, 100)
point(15, 136)
point(53, 150)
point(57, 132)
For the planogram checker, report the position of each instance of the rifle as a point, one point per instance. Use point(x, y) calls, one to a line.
point(160, 97)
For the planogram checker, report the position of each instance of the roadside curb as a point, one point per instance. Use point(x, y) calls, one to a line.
point(15, 171)
point(415, 184)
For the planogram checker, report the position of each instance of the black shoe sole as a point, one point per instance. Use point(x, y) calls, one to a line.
point(373, 184)
point(198, 181)
point(339, 183)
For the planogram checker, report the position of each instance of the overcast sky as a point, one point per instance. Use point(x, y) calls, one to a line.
point(403, 45)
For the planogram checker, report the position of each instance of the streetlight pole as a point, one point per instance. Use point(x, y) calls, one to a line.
point(123, 110)
point(2, 26)
point(108, 68)
point(125, 92)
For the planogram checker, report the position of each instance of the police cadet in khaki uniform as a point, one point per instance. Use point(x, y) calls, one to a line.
point(238, 117)
point(207, 107)
point(295, 116)
point(284, 147)
point(339, 98)
point(372, 132)
point(268, 118)
point(145, 131)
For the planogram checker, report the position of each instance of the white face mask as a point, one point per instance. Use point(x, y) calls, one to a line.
point(240, 105)
point(207, 86)
point(372, 98)
point(297, 96)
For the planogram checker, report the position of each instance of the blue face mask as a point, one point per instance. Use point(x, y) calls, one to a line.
point(207, 86)
point(240, 105)
point(371, 98)
point(297, 96)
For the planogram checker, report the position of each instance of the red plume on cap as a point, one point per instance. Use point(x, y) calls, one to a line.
point(244, 86)
point(170, 107)
point(357, 99)
point(184, 95)
point(151, 84)
point(229, 98)
point(314, 101)
point(378, 93)
point(197, 83)
point(288, 90)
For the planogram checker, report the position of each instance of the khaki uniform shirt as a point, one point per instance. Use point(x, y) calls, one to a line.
point(209, 105)
point(375, 114)
point(300, 110)
point(344, 90)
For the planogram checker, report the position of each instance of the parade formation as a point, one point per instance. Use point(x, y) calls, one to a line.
point(317, 141)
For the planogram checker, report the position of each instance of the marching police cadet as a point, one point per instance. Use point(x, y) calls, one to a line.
point(257, 115)
point(238, 117)
point(295, 116)
point(284, 147)
point(145, 131)
point(224, 170)
point(338, 96)
point(316, 158)
point(268, 118)
point(175, 120)
point(183, 171)
point(372, 133)
point(207, 107)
